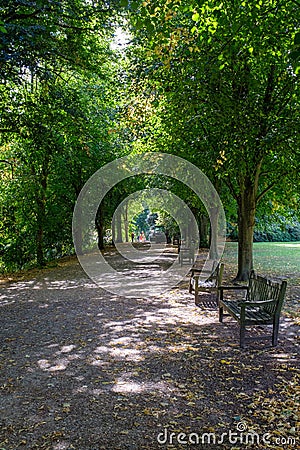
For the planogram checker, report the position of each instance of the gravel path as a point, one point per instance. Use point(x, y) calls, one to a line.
point(85, 369)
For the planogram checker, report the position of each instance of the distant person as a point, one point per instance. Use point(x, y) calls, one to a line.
point(132, 237)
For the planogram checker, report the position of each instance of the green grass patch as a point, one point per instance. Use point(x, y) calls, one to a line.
point(270, 258)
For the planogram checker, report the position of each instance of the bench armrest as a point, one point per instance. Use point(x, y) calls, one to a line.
point(245, 303)
point(223, 288)
point(204, 274)
point(199, 271)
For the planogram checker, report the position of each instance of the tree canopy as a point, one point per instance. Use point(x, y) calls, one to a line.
point(213, 82)
point(225, 77)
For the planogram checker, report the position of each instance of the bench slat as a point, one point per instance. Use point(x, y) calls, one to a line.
point(251, 314)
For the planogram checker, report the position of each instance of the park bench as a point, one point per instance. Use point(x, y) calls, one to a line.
point(186, 253)
point(261, 305)
point(206, 282)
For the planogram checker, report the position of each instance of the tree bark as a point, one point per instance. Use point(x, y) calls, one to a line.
point(213, 234)
point(100, 227)
point(246, 223)
point(40, 232)
point(41, 216)
point(125, 215)
point(118, 225)
point(78, 232)
point(204, 231)
point(39, 247)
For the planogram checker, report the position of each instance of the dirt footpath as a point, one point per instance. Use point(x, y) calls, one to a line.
point(85, 369)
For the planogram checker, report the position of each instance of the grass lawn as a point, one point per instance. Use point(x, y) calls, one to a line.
point(274, 260)
point(270, 258)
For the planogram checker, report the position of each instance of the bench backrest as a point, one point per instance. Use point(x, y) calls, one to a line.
point(218, 273)
point(213, 272)
point(262, 289)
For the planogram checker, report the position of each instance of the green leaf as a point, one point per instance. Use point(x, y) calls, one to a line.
point(2, 27)
point(195, 17)
point(139, 24)
point(297, 39)
point(295, 55)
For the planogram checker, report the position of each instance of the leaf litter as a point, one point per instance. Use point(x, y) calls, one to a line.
point(84, 369)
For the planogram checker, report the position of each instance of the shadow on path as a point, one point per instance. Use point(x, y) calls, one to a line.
point(85, 369)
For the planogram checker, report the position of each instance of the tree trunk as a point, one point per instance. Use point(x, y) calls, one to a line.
point(113, 229)
point(125, 215)
point(203, 231)
point(100, 227)
point(213, 235)
point(246, 223)
point(39, 247)
point(118, 225)
point(78, 234)
point(41, 218)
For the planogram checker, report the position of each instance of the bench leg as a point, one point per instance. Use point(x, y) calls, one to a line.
point(190, 287)
point(196, 288)
point(242, 336)
point(275, 332)
point(221, 312)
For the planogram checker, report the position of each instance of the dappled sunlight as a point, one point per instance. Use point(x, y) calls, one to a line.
point(46, 283)
point(282, 357)
point(68, 284)
point(60, 364)
point(154, 274)
point(134, 338)
point(181, 348)
point(138, 283)
point(121, 340)
point(134, 387)
point(5, 300)
point(126, 363)
point(62, 445)
point(287, 244)
point(130, 354)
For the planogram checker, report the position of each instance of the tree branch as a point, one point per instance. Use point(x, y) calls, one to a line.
point(229, 184)
point(269, 90)
point(7, 130)
point(296, 3)
point(271, 185)
point(15, 16)
point(72, 27)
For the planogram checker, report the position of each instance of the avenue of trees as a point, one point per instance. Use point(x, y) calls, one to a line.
point(213, 82)
point(227, 80)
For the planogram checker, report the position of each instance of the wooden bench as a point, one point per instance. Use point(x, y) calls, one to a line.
point(261, 306)
point(186, 253)
point(206, 281)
